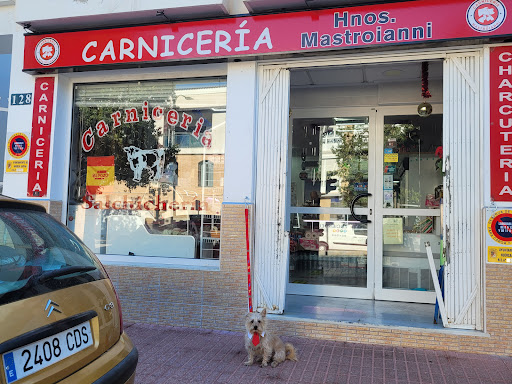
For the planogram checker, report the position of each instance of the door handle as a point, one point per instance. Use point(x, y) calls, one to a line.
point(354, 200)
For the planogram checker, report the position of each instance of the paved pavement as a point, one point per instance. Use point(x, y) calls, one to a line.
point(188, 356)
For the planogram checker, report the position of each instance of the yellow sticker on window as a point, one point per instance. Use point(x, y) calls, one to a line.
point(391, 157)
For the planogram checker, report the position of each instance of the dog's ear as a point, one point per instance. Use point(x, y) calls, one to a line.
point(264, 312)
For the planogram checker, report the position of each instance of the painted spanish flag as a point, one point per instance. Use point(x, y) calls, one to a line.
point(100, 174)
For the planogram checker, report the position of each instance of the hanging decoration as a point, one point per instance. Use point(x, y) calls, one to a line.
point(424, 109)
point(425, 93)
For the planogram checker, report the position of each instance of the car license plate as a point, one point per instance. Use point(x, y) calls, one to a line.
point(29, 359)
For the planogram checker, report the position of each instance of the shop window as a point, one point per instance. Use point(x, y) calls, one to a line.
point(413, 154)
point(135, 148)
point(205, 174)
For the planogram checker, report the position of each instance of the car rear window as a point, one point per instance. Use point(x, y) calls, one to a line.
point(39, 255)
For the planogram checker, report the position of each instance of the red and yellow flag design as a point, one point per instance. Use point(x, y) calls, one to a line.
point(100, 174)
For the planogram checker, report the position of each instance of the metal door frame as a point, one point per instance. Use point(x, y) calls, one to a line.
point(390, 294)
point(332, 290)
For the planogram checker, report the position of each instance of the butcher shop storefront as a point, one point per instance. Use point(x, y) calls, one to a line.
point(368, 147)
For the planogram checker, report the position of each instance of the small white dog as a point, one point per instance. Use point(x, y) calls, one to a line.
point(260, 343)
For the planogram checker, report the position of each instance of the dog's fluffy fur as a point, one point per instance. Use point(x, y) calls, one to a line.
point(270, 347)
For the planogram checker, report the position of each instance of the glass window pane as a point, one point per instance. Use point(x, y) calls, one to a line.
point(329, 165)
point(134, 167)
point(405, 263)
point(328, 249)
point(413, 152)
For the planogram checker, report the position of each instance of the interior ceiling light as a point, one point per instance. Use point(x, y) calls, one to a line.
point(425, 108)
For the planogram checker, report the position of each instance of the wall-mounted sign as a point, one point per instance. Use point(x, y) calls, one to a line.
point(41, 135)
point(21, 98)
point(501, 121)
point(499, 235)
point(499, 255)
point(499, 226)
point(16, 166)
point(327, 29)
point(17, 145)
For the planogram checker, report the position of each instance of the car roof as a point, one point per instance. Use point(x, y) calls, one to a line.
point(11, 203)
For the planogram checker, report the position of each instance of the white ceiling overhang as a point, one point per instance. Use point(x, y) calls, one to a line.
point(267, 6)
point(103, 17)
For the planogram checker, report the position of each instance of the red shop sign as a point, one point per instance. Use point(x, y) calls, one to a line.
point(501, 123)
point(41, 135)
point(328, 29)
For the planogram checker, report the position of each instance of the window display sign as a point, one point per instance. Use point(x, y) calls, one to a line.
point(100, 174)
point(393, 230)
point(499, 235)
point(391, 157)
point(137, 182)
point(327, 29)
point(501, 122)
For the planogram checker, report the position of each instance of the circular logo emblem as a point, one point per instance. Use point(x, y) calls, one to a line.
point(486, 15)
point(18, 145)
point(47, 51)
point(499, 226)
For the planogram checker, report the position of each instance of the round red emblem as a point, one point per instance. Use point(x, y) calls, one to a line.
point(47, 51)
point(486, 15)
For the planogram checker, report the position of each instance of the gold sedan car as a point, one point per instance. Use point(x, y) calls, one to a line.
point(60, 318)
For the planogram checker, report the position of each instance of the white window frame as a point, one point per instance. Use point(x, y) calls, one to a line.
point(62, 132)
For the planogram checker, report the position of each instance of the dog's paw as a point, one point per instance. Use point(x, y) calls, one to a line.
point(274, 364)
point(248, 362)
point(264, 364)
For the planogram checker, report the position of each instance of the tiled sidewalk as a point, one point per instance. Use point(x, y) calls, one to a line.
point(188, 356)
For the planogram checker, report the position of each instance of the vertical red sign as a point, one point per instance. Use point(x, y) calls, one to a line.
point(501, 123)
point(41, 135)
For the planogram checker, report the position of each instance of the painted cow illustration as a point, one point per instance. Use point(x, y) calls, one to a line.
point(150, 159)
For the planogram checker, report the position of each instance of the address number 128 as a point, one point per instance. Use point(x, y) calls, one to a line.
point(21, 98)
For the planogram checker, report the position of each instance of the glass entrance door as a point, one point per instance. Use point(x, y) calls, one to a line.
point(331, 178)
point(365, 192)
point(408, 208)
